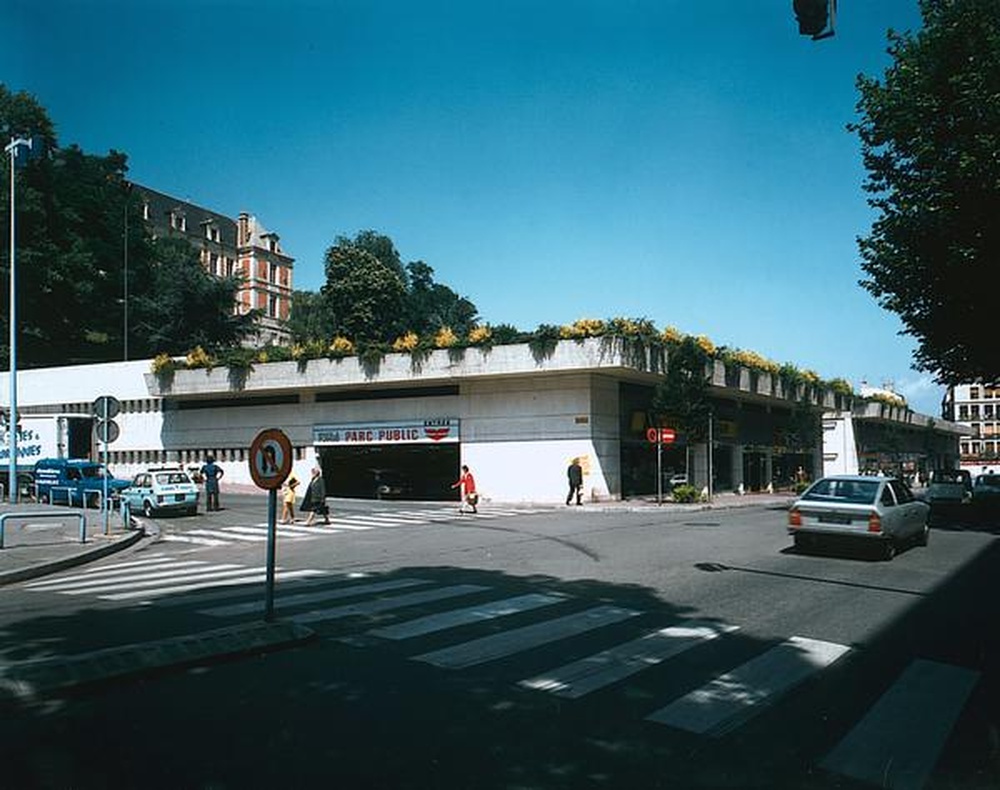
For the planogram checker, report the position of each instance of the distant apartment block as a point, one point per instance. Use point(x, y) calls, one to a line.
point(241, 248)
point(977, 406)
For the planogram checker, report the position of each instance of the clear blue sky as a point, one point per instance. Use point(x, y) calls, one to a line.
point(685, 162)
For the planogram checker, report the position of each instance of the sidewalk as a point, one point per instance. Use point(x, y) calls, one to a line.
point(47, 539)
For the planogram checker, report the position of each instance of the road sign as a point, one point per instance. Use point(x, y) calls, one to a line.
point(107, 430)
point(106, 407)
point(661, 435)
point(270, 459)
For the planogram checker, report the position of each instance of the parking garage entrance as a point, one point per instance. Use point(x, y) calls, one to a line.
point(405, 459)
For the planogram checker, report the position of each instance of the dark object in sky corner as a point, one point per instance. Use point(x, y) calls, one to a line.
point(815, 17)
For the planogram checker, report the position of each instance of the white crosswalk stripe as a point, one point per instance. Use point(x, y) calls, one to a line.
point(157, 576)
point(730, 699)
point(339, 523)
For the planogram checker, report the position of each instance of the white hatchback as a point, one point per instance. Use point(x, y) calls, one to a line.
point(162, 490)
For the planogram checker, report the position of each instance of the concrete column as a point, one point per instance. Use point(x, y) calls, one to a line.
point(737, 466)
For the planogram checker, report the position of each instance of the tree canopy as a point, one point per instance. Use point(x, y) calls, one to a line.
point(930, 136)
point(681, 398)
point(72, 212)
point(371, 297)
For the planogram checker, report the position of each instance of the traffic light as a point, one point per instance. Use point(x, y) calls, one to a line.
point(815, 17)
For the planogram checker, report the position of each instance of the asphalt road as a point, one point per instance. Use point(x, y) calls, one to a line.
point(550, 648)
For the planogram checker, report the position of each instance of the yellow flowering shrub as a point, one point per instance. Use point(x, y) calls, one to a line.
point(672, 335)
point(445, 338)
point(480, 334)
point(581, 328)
point(705, 344)
point(341, 345)
point(405, 343)
point(200, 358)
point(163, 363)
point(751, 359)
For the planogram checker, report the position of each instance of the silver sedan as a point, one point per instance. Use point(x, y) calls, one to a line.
point(874, 509)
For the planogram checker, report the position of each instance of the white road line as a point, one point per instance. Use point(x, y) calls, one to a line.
point(490, 648)
point(732, 698)
point(300, 599)
point(149, 580)
point(149, 559)
point(609, 666)
point(387, 604)
point(219, 533)
point(900, 739)
point(103, 574)
point(257, 578)
point(173, 537)
point(326, 529)
point(470, 614)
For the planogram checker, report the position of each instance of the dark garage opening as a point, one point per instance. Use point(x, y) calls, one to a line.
point(391, 471)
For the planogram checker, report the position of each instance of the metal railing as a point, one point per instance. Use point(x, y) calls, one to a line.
point(33, 515)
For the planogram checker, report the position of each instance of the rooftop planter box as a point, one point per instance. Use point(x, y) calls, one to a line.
point(394, 369)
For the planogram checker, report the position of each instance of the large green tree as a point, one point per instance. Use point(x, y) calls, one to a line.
point(930, 136)
point(681, 398)
point(73, 210)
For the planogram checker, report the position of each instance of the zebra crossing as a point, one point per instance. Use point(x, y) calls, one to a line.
point(341, 523)
point(461, 626)
point(157, 576)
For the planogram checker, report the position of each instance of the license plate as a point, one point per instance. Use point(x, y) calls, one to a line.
point(834, 518)
point(178, 497)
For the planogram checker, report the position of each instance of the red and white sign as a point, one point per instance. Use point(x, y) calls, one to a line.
point(661, 435)
point(430, 431)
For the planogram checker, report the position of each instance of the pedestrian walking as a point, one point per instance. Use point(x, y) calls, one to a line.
point(211, 473)
point(575, 475)
point(467, 483)
point(314, 500)
point(288, 499)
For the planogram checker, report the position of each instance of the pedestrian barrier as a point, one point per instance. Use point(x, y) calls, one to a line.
point(33, 516)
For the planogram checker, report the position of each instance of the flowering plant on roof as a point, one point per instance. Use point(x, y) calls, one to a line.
point(480, 335)
point(406, 343)
point(340, 347)
point(581, 328)
point(445, 338)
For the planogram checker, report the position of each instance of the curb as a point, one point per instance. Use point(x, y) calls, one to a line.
point(47, 677)
point(80, 558)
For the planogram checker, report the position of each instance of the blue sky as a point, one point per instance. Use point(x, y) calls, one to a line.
point(685, 162)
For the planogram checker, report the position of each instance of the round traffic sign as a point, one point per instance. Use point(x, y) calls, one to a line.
point(270, 458)
point(107, 430)
point(106, 407)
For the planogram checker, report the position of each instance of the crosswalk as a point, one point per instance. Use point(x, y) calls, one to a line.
point(461, 625)
point(341, 523)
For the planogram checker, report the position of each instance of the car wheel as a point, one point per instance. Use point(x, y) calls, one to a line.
point(44, 499)
point(94, 501)
point(924, 535)
point(147, 509)
point(889, 550)
point(802, 543)
point(192, 511)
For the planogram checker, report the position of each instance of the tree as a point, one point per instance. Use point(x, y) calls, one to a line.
point(183, 306)
point(681, 398)
point(363, 295)
point(930, 135)
point(431, 305)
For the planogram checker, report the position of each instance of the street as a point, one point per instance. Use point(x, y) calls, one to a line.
point(520, 648)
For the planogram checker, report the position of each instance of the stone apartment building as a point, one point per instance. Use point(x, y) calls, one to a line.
point(978, 407)
point(228, 247)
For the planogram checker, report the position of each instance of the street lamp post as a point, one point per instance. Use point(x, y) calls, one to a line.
point(11, 149)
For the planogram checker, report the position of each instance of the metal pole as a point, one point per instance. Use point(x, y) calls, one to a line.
point(659, 472)
point(12, 494)
point(126, 277)
point(272, 508)
point(711, 442)
point(104, 499)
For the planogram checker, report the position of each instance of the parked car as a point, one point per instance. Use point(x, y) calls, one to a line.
point(949, 487)
point(390, 484)
point(74, 481)
point(986, 490)
point(880, 510)
point(162, 490)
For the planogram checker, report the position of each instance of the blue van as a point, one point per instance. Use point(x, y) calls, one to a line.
point(74, 482)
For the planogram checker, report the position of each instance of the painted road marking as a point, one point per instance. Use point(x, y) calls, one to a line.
point(900, 739)
point(301, 599)
point(610, 666)
point(732, 698)
point(470, 614)
point(490, 648)
point(256, 576)
point(387, 604)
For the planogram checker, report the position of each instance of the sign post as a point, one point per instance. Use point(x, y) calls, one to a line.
point(270, 462)
point(660, 437)
point(105, 408)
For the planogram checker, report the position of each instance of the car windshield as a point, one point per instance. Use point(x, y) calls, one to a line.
point(993, 481)
point(171, 478)
point(857, 492)
point(92, 471)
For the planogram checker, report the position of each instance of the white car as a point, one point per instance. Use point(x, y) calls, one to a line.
point(880, 510)
point(162, 490)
